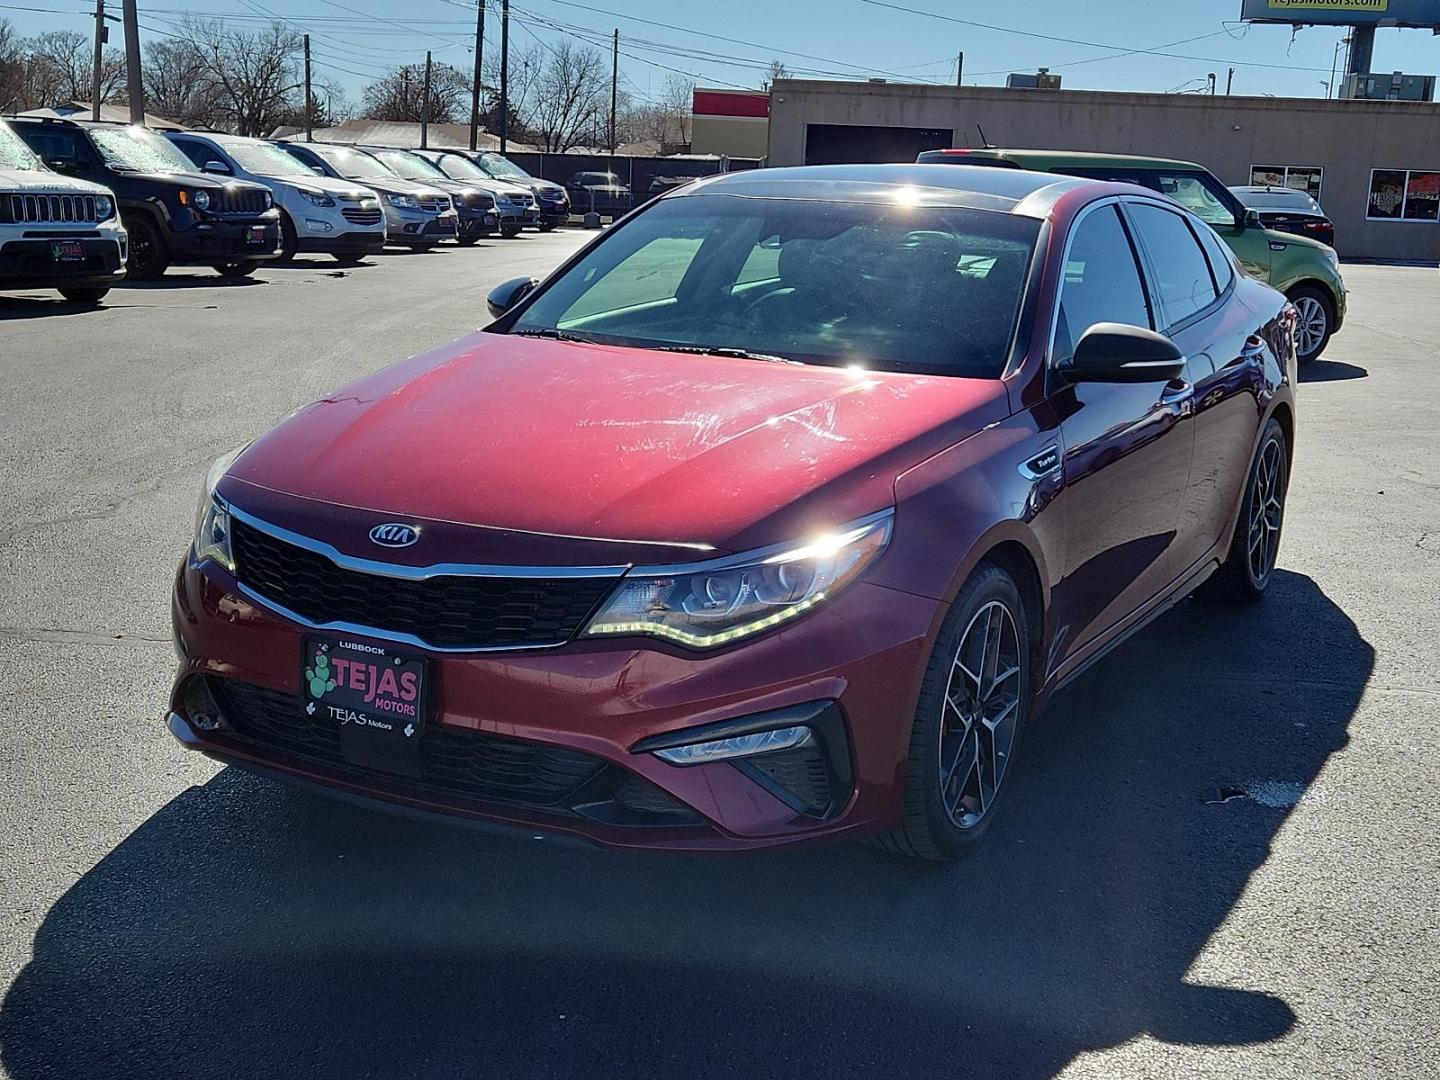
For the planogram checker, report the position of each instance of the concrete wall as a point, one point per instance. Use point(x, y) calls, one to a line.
point(1226, 134)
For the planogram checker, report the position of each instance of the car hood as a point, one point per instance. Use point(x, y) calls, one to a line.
point(395, 187)
point(328, 184)
point(616, 445)
point(36, 180)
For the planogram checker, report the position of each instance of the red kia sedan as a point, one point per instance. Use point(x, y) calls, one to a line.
point(776, 513)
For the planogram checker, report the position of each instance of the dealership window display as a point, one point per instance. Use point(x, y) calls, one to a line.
point(1403, 195)
point(1306, 178)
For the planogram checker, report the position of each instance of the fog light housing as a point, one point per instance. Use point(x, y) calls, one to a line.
point(200, 707)
point(318, 226)
point(736, 746)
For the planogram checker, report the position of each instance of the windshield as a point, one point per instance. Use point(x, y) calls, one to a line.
point(265, 160)
point(891, 287)
point(14, 154)
point(1280, 200)
point(459, 168)
point(495, 165)
point(410, 166)
point(352, 164)
point(139, 149)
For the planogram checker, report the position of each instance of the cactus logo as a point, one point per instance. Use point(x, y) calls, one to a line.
point(393, 534)
point(321, 677)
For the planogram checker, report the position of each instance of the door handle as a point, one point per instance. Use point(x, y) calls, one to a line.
point(1177, 392)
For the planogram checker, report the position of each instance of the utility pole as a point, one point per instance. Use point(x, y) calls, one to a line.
point(133, 89)
point(959, 68)
point(614, 85)
point(504, 74)
point(309, 100)
point(475, 89)
point(425, 107)
point(102, 35)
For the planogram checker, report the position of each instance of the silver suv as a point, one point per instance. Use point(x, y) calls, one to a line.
point(514, 203)
point(416, 215)
point(317, 213)
point(56, 232)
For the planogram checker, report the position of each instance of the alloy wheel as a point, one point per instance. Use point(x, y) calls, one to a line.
point(981, 714)
point(1312, 325)
point(1267, 507)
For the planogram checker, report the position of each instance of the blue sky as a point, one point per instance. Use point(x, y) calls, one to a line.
point(355, 40)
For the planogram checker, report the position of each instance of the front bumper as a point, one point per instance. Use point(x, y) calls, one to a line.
point(594, 701)
point(518, 216)
point(29, 263)
point(366, 242)
point(422, 229)
point(213, 240)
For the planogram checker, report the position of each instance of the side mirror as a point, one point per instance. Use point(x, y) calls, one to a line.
point(1116, 353)
point(317, 170)
point(1252, 219)
point(509, 293)
point(219, 167)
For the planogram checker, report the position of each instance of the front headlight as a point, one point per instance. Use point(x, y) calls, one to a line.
point(104, 207)
point(316, 198)
point(201, 199)
point(704, 605)
point(212, 520)
point(409, 202)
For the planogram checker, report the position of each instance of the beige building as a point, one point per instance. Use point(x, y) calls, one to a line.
point(1374, 165)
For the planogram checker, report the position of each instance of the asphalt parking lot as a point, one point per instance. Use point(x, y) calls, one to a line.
point(1220, 856)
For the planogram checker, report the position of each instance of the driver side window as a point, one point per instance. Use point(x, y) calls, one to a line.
point(1102, 282)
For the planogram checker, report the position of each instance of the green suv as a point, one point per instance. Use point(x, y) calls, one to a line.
point(1306, 271)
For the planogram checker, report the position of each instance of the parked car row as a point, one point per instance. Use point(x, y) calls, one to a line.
point(84, 203)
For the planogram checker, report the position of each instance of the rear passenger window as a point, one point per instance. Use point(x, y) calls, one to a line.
point(1182, 275)
point(1222, 263)
point(1102, 282)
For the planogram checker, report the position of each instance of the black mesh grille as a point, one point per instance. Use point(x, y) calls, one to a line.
point(468, 764)
point(361, 217)
point(238, 201)
point(446, 612)
point(801, 772)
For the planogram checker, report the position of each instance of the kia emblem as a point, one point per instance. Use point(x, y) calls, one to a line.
point(394, 535)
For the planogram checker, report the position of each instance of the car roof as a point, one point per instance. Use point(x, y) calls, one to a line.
point(1044, 160)
point(1008, 190)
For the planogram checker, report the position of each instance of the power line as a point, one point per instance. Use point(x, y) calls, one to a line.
point(1123, 50)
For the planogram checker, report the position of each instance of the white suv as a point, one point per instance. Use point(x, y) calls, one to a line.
point(317, 213)
point(56, 232)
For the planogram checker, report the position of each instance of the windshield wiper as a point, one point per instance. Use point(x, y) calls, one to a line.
point(728, 351)
point(556, 335)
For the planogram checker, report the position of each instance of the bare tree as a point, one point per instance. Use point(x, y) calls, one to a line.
point(12, 67)
point(178, 83)
point(401, 95)
point(665, 119)
point(254, 73)
point(58, 65)
point(571, 95)
point(777, 71)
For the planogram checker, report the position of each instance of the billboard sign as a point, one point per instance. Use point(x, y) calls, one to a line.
point(1424, 14)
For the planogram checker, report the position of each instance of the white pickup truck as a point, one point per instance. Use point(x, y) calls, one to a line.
point(56, 232)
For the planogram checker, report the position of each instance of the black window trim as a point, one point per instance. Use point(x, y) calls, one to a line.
point(1111, 201)
point(1172, 207)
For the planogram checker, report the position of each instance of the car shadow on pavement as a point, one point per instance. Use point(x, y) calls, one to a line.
point(25, 307)
point(191, 281)
point(249, 929)
point(1322, 370)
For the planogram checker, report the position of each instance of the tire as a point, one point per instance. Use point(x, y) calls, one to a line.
point(945, 821)
point(237, 270)
point(1243, 578)
point(510, 231)
point(469, 241)
point(149, 257)
point(346, 259)
point(548, 226)
point(289, 241)
point(1317, 321)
